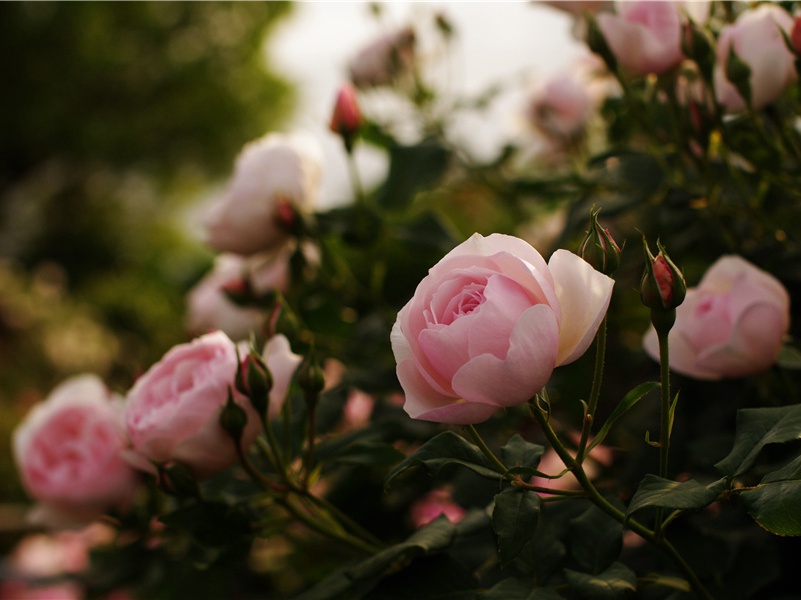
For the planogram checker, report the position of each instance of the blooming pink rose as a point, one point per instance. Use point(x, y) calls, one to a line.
point(173, 410)
point(731, 325)
point(68, 449)
point(489, 323)
point(645, 37)
point(757, 40)
point(272, 174)
point(282, 363)
point(383, 59)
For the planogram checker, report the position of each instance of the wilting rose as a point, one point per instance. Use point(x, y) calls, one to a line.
point(731, 325)
point(273, 177)
point(645, 37)
point(383, 59)
point(488, 325)
point(68, 452)
point(756, 38)
point(173, 410)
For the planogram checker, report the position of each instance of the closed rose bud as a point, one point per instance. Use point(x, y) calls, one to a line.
point(599, 248)
point(347, 118)
point(731, 325)
point(756, 40)
point(795, 35)
point(662, 288)
point(644, 37)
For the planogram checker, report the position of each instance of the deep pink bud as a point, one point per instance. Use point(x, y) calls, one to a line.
point(346, 118)
point(795, 35)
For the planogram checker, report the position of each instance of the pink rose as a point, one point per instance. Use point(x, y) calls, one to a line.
point(757, 40)
point(731, 325)
point(273, 176)
point(282, 363)
point(561, 107)
point(68, 452)
point(383, 59)
point(489, 323)
point(432, 505)
point(173, 410)
point(645, 37)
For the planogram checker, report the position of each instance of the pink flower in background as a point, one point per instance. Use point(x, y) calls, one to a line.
point(645, 37)
point(282, 363)
point(432, 505)
point(68, 452)
point(731, 325)
point(551, 464)
point(272, 174)
point(357, 410)
point(173, 410)
point(488, 325)
point(560, 107)
point(383, 59)
point(756, 38)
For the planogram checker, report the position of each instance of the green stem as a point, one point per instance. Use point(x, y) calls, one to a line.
point(595, 391)
point(604, 504)
point(356, 182)
point(311, 403)
point(664, 438)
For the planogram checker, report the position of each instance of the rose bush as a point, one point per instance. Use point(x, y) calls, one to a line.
point(645, 37)
point(731, 325)
point(756, 39)
point(488, 325)
point(68, 452)
point(273, 177)
point(173, 410)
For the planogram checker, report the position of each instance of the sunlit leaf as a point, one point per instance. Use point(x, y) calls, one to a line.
point(776, 506)
point(663, 493)
point(615, 582)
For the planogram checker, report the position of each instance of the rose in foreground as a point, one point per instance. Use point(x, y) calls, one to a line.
point(488, 325)
point(645, 37)
point(68, 452)
point(174, 409)
point(274, 176)
point(731, 325)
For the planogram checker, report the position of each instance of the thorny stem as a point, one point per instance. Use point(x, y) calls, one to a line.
point(602, 503)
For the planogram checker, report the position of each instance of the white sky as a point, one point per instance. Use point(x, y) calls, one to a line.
point(496, 41)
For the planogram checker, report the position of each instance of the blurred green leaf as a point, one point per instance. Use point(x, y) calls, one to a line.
point(615, 582)
point(446, 448)
point(663, 493)
point(756, 428)
point(521, 456)
point(515, 589)
point(597, 539)
point(412, 168)
point(514, 520)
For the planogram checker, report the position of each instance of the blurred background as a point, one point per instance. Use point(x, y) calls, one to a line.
point(120, 121)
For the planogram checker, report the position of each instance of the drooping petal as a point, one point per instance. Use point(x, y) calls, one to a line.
point(584, 296)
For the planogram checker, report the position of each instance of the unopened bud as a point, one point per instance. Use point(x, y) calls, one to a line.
point(233, 418)
point(599, 247)
point(346, 118)
point(178, 480)
point(662, 288)
point(255, 381)
point(287, 217)
point(795, 36)
point(310, 376)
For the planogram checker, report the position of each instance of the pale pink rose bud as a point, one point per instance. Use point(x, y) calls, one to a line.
point(756, 39)
point(384, 59)
point(282, 364)
point(346, 118)
point(731, 325)
point(644, 37)
point(269, 173)
point(173, 410)
point(488, 325)
point(68, 452)
point(209, 306)
point(432, 505)
point(561, 107)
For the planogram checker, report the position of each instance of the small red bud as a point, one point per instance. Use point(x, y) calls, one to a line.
point(346, 118)
point(795, 35)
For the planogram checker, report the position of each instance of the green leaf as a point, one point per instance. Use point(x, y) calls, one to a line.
point(521, 456)
point(756, 428)
point(514, 520)
point(789, 357)
point(617, 581)
point(515, 589)
point(628, 401)
point(776, 506)
point(791, 470)
point(412, 168)
point(663, 493)
point(444, 449)
point(596, 539)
